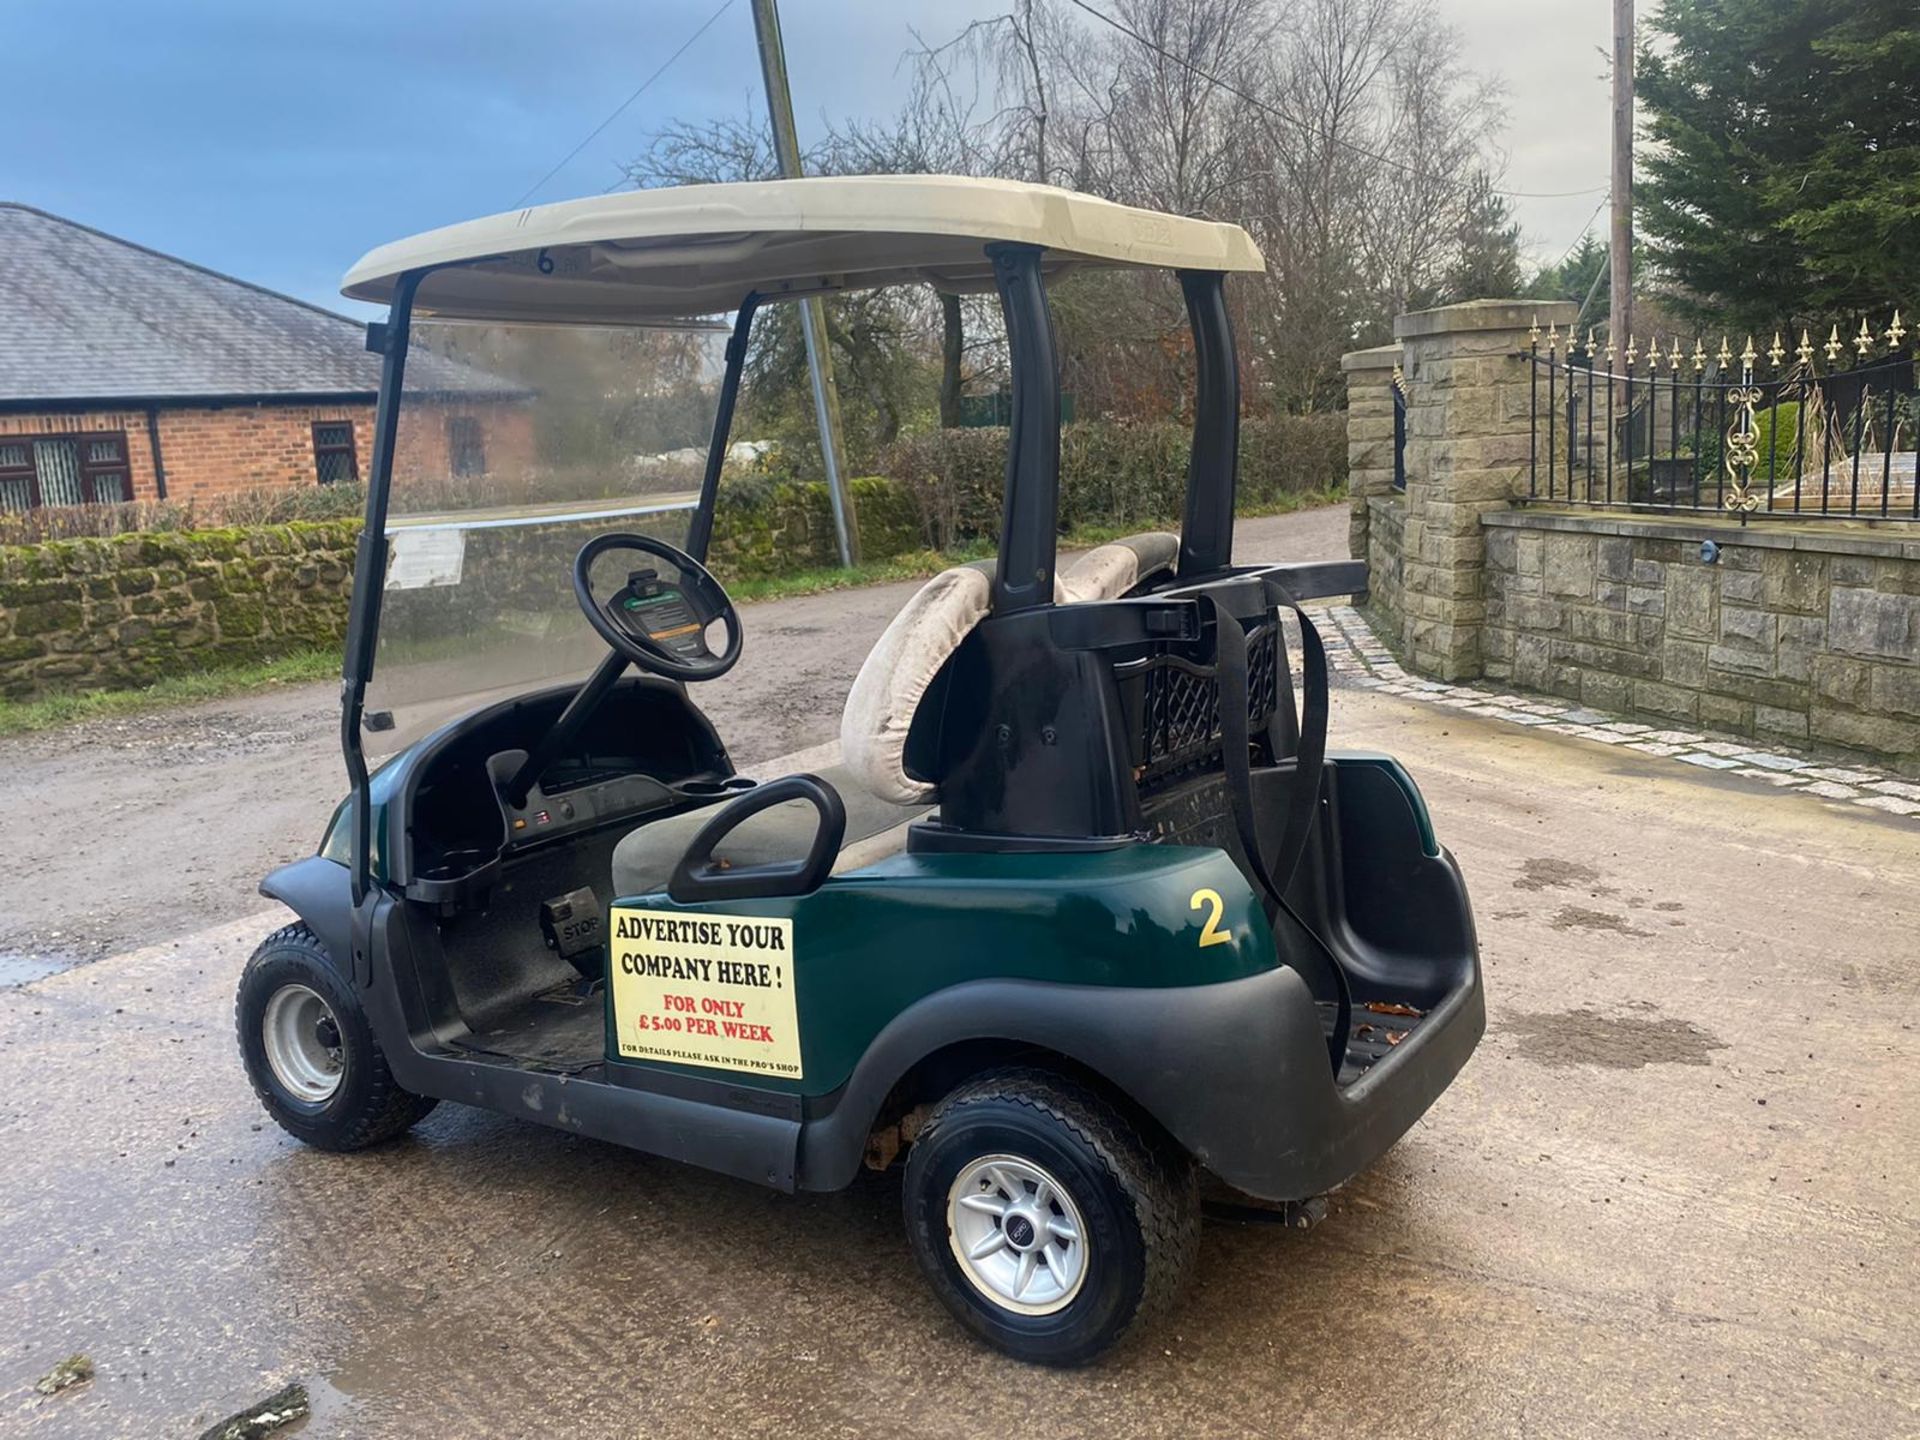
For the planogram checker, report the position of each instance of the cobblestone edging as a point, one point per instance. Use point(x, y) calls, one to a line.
point(1358, 657)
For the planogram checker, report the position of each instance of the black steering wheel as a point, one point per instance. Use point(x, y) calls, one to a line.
point(660, 625)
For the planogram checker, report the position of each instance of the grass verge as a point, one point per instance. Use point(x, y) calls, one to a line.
point(18, 717)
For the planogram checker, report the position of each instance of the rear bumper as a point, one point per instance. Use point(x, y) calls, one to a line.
point(1254, 1099)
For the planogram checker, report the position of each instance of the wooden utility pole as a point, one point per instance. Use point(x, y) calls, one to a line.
point(813, 315)
point(1620, 241)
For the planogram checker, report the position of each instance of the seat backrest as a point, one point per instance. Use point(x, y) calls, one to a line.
point(913, 650)
point(1110, 571)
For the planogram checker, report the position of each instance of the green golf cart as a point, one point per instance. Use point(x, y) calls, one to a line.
point(1078, 915)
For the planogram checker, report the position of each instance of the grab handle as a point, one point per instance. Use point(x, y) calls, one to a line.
point(697, 878)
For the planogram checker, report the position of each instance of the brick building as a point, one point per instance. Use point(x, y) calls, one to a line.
point(126, 374)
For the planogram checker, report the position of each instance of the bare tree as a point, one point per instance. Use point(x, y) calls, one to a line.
point(1345, 135)
point(707, 152)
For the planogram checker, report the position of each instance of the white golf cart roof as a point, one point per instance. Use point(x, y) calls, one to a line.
point(653, 255)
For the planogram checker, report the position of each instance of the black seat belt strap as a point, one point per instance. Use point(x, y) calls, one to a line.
point(1303, 799)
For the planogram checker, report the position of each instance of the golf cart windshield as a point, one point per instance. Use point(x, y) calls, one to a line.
point(517, 444)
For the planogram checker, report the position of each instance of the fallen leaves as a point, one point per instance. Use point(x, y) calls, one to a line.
point(74, 1370)
point(1393, 1007)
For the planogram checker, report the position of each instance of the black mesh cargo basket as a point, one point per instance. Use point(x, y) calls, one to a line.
point(1173, 706)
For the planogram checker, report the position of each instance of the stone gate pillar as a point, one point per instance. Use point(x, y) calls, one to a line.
point(1369, 435)
point(1468, 420)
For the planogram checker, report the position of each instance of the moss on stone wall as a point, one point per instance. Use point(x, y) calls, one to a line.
point(132, 609)
point(128, 610)
point(764, 529)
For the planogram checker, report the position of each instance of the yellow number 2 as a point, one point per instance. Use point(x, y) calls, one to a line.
point(1210, 933)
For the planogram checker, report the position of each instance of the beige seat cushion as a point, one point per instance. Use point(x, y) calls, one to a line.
point(913, 649)
point(898, 670)
point(644, 861)
point(1109, 571)
point(870, 773)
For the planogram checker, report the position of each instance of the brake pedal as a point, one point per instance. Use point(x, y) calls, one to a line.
point(575, 927)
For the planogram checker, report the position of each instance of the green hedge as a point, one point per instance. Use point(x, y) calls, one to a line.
point(765, 528)
point(1111, 472)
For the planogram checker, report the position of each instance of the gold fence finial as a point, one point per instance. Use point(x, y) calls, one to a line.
point(1776, 352)
point(1673, 357)
point(1699, 355)
point(1896, 320)
point(1725, 356)
point(1633, 350)
point(1895, 332)
point(1863, 342)
point(1804, 350)
point(1748, 355)
point(1833, 347)
point(1553, 338)
point(1533, 333)
point(1609, 352)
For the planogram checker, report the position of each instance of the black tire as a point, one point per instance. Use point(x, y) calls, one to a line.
point(1140, 1203)
point(366, 1107)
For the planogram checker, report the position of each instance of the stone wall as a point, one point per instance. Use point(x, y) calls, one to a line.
point(133, 609)
point(1466, 452)
point(1805, 632)
point(1799, 634)
point(1369, 438)
point(128, 610)
point(1385, 540)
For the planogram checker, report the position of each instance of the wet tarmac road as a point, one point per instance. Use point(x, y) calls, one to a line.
point(1675, 1192)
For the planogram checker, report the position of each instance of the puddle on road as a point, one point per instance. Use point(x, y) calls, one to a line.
point(19, 968)
point(1578, 917)
point(1558, 875)
point(1615, 1042)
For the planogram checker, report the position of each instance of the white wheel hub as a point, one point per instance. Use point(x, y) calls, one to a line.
point(1018, 1235)
point(301, 1036)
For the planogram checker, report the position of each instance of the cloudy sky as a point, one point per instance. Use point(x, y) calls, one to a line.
point(279, 141)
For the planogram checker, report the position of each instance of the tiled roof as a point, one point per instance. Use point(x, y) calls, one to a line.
point(87, 316)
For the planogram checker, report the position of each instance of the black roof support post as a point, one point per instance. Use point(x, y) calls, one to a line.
point(1024, 577)
point(700, 532)
point(1206, 533)
point(370, 573)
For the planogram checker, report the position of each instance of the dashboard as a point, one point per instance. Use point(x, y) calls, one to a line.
point(647, 748)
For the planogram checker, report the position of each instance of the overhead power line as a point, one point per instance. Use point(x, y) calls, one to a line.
point(1357, 149)
point(621, 108)
point(1585, 230)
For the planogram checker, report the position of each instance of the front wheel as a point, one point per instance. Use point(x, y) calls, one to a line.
point(310, 1052)
point(1044, 1219)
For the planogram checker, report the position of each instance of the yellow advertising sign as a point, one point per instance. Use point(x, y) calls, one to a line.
point(698, 990)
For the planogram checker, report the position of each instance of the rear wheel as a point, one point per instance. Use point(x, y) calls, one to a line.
point(310, 1051)
point(1043, 1217)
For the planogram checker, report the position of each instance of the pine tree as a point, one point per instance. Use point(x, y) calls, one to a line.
point(1574, 277)
point(1486, 262)
point(1784, 179)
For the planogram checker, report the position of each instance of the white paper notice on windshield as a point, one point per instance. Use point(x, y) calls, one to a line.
point(715, 991)
point(418, 559)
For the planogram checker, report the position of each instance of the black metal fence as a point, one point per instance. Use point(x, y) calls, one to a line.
point(1757, 434)
point(1399, 430)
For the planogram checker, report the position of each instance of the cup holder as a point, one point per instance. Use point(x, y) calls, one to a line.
point(705, 789)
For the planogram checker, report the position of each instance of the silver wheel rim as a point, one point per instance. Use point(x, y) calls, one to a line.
point(1018, 1235)
point(302, 1039)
